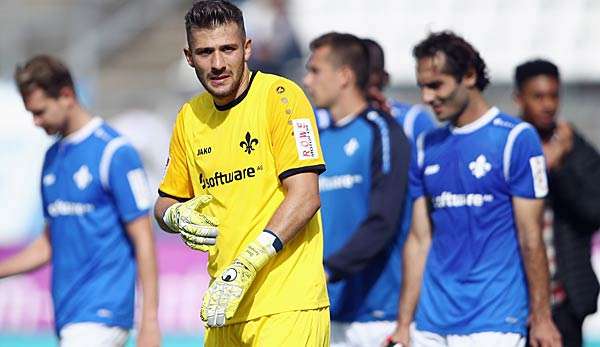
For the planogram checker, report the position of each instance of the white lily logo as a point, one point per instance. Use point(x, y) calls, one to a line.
point(480, 166)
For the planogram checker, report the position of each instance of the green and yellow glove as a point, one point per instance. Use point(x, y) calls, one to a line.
point(197, 230)
point(227, 290)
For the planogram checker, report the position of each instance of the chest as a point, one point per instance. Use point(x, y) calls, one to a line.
point(347, 150)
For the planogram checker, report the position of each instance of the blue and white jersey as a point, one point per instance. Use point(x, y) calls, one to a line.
point(414, 119)
point(93, 184)
point(361, 202)
point(474, 278)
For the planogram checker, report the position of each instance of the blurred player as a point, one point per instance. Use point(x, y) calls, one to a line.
point(573, 204)
point(245, 156)
point(96, 205)
point(475, 245)
point(362, 193)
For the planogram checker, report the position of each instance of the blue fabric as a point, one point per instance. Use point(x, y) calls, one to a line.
point(93, 262)
point(361, 200)
point(474, 278)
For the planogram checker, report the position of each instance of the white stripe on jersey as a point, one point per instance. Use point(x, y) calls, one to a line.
point(409, 120)
point(139, 188)
point(106, 159)
point(420, 150)
point(510, 141)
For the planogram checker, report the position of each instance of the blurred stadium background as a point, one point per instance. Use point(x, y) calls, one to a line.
point(127, 59)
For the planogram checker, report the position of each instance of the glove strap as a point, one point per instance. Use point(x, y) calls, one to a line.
point(269, 240)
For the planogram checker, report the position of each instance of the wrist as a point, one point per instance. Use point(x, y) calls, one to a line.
point(266, 245)
point(169, 218)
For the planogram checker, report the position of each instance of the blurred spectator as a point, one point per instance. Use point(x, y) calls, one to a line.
point(362, 193)
point(97, 234)
point(572, 211)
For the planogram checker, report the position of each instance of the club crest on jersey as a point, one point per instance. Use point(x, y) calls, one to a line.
point(249, 143)
point(82, 177)
point(351, 146)
point(480, 167)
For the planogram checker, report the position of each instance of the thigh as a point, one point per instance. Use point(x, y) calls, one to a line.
point(488, 339)
point(290, 329)
point(92, 335)
point(420, 338)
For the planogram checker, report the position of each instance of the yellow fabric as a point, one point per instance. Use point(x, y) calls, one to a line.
point(237, 156)
point(289, 329)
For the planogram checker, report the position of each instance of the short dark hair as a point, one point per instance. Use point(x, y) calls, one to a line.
point(346, 49)
point(209, 14)
point(533, 68)
point(44, 72)
point(460, 56)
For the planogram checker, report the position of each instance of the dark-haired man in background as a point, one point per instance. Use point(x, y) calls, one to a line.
point(572, 211)
point(474, 258)
point(245, 156)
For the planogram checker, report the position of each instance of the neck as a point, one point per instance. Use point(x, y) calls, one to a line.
point(221, 101)
point(352, 102)
point(78, 118)
point(475, 109)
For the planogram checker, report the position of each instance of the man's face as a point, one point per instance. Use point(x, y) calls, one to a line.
point(48, 113)
point(447, 97)
point(219, 56)
point(322, 79)
point(539, 101)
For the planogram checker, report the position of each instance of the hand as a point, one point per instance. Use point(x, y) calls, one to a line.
point(227, 290)
point(559, 145)
point(197, 230)
point(149, 334)
point(399, 338)
point(543, 333)
point(377, 99)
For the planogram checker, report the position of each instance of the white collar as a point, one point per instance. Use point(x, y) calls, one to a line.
point(83, 133)
point(478, 124)
point(345, 120)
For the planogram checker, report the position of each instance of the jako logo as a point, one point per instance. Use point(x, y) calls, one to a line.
point(447, 199)
point(68, 208)
point(205, 150)
point(338, 182)
point(220, 178)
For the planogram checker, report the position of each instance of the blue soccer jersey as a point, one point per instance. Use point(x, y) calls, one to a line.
point(92, 184)
point(474, 278)
point(361, 201)
point(414, 119)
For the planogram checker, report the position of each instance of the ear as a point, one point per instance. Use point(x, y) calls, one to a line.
point(247, 50)
point(470, 78)
point(67, 95)
point(188, 56)
point(346, 76)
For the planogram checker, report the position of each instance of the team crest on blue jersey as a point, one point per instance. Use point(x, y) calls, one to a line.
point(82, 177)
point(480, 167)
point(351, 146)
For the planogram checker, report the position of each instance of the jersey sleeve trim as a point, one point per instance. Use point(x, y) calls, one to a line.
point(384, 133)
point(421, 150)
point(107, 155)
point(510, 141)
point(318, 169)
point(409, 120)
point(166, 195)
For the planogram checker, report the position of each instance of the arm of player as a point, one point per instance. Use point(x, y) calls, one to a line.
point(32, 257)
point(198, 230)
point(528, 217)
point(225, 293)
point(416, 249)
point(140, 233)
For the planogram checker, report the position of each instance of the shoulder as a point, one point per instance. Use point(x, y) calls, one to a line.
point(276, 85)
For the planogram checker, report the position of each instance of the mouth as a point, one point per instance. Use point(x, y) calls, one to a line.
point(437, 108)
point(218, 80)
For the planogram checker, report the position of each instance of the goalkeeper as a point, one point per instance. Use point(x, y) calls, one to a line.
point(241, 183)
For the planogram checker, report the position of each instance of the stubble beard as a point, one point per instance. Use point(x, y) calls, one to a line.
point(229, 92)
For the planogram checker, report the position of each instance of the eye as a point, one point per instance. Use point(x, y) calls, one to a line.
point(229, 275)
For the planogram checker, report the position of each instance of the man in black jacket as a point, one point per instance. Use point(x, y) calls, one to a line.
point(573, 205)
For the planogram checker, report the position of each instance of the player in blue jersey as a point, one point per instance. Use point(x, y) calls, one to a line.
point(361, 193)
point(475, 267)
point(97, 234)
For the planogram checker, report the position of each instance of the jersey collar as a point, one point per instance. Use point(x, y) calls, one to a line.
point(478, 124)
point(83, 133)
point(239, 99)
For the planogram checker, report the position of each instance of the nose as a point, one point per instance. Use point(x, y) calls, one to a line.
point(306, 80)
point(427, 95)
point(217, 61)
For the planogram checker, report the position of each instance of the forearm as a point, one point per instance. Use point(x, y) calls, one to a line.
point(32, 257)
point(143, 240)
point(414, 257)
point(536, 268)
point(299, 206)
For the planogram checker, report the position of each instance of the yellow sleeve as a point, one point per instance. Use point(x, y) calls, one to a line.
point(294, 134)
point(176, 182)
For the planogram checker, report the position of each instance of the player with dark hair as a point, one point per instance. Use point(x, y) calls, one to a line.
point(242, 184)
point(474, 258)
point(361, 193)
point(98, 233)
point(571, 212)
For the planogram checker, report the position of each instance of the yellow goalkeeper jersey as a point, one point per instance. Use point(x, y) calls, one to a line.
point(239, 153)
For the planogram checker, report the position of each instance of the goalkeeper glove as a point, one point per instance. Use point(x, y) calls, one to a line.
point(227, 290)
point(197, 230)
